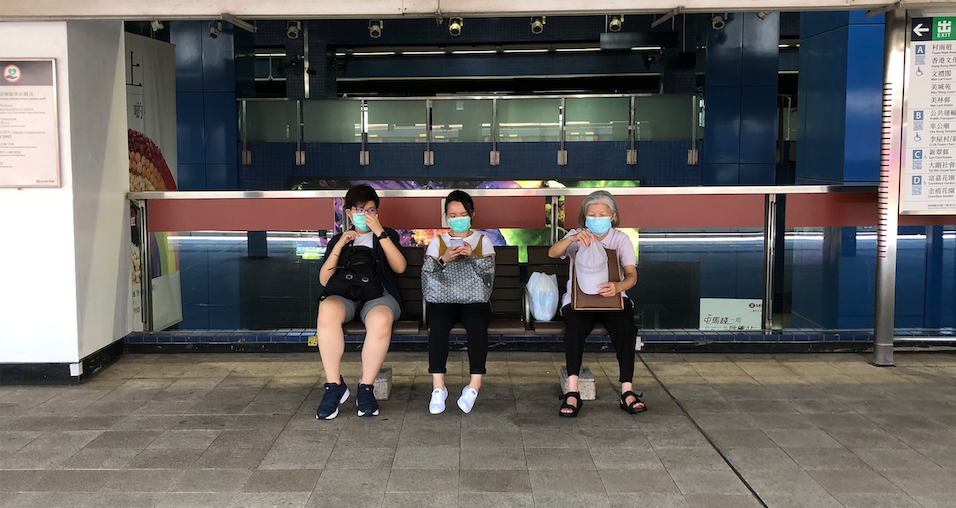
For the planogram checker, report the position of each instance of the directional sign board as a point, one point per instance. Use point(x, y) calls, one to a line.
point(928, 183)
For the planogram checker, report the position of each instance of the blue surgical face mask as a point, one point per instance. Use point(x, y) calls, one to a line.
point(598, 225)
point(460, 224)
point(358, 220)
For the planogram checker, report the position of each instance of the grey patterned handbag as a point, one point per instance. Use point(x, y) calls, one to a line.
point(465, 280)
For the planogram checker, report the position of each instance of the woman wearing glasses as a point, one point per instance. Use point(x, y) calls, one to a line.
point(358, 279)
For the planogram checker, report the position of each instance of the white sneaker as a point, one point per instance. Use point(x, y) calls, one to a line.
point(437, 404)
point(467, 399)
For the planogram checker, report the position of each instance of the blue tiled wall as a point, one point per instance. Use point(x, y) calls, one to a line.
point(741, 93)
point(840, 93)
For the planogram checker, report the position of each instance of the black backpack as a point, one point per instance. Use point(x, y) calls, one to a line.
point(358, 279)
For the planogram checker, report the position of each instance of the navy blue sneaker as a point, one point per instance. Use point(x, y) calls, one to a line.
point(365, 400)
point(335, 394)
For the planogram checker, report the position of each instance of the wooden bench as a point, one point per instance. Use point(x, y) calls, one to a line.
point(410, 286)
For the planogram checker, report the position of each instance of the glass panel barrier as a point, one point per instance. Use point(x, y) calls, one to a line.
point(332, 121)
point(698, 278)
point(664, 118)
point(271, 122)
point(598, 119)
point(396, 121)
point(461, 121)
point(529, 120)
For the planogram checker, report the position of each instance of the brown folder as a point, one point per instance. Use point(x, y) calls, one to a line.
point(583, 301)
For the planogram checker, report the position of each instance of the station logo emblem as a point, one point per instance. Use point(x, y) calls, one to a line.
point(12, 73)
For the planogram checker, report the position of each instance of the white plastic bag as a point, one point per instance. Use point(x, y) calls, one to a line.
point(543, 290)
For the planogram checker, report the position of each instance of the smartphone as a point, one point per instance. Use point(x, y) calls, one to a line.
point(456, 241)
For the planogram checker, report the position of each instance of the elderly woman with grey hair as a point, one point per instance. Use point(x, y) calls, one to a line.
point(599, 218)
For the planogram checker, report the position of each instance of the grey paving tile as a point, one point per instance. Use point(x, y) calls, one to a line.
point(296, 457)
point(193, 439)
point(422, 480)
point(881, 500)
point(573, 482)
point(883, 459)
point(561, 500)
point(934, 500)
point(802, 438)
point(760, 459)
point(853, 481)
point(123, 500)
point(944, 457)
point(643, 500)
point(346, 457)
point(511, 481)
point(212, 480)
point(617, 439)
point(676, 439)
point(621, 482)
point(143, 422)
point(722, 501)
point(800, 500)
point(421, 499)
point(142, 481)
point(11, 481)
point(165, 458)
point(559, 458)
point(826, 458)
point(749, 438)
point(776, 421)
point(14, 440)
point(426, 457)
point(708, 482)
point(768, 482)
point(482, 437)
point(495, 500)
point(493, 457)
point(356, 499)
point(345, 481)
point(636, 458)
point(691, 458)
point(931, 481)
point(856, 438)
point(231, 458)
point(100, 458)
point(71, 481)
point(549, 435)
point(299, 480)
point(197, 500)
point(271, 499)
point(43, 499)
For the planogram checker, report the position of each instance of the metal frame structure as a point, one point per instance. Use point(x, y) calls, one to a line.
point(633, 130)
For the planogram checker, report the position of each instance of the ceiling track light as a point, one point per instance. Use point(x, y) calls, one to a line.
point(719, 21)
point(215, 28)
point(615, 22)
point(454, 26)
point(293, 29)
point(537, 24)
point(375, 27)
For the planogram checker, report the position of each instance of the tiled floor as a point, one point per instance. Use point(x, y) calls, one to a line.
point(239, 430)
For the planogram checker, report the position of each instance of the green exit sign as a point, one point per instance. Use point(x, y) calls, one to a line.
point(943, 29)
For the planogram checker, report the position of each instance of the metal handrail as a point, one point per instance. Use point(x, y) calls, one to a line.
point(550, 191)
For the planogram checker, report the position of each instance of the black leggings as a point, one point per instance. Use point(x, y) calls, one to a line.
point(442, 317)
point(620, 325)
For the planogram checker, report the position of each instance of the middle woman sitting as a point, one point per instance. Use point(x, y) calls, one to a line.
point(459, 267)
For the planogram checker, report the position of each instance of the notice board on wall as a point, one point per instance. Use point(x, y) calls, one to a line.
point(29, 149)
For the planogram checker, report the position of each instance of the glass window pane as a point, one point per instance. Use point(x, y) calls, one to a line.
point(396, 121)
point(664, 118)
point(271, 122)
point(677, 268)
point(332, 121)
point(528, 120)
point(461, 121)
point(597, 119)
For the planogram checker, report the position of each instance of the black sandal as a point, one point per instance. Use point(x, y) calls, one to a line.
point(565, 405)
point(630, 407)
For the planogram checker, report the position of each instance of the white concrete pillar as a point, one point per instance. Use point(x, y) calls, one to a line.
point(64, 252)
